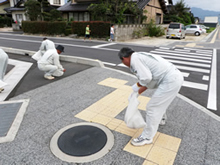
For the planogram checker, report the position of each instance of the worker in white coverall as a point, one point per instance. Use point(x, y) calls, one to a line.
point(3, 67)
point(45, 45)
point(50, 63)
point(153, 72)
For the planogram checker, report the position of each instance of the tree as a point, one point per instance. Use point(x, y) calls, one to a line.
point(180, 13)
point(114, 10)
point(33, 9)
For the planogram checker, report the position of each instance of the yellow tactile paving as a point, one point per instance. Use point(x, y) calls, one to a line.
point(161, 156)
point(146, 162)
point(114, 123)
point(86, 115)
point(164, 147)
point(168, 142)
point(122, 128)
point(101, 119)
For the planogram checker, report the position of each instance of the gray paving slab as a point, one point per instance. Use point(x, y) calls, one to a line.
point(53, 106)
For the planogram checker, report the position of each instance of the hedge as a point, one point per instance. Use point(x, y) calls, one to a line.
point(44, 27)
point(5, 21)
point(98, 28)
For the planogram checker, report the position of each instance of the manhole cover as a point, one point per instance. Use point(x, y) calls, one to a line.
point(82, 142)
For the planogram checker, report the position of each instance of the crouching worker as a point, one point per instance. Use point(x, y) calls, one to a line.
point(152, 72)
point(50, 63)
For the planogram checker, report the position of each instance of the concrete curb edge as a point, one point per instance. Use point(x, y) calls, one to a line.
point(68, 58)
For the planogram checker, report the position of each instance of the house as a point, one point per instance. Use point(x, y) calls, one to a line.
point(17, 8)
point(4, 4)
point(211, 21)
point(77, 10)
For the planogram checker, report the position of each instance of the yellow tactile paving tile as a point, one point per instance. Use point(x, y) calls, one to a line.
point(122, 128)
point(168, 142)
point(101, 119)
point(114, 83)
point(146, 162)
point(86, 115)
point(114, 123)
point(161, 156)
point(143, 102)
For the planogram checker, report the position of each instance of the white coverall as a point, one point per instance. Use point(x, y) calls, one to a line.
point(45, 45)
point(3, 67)
point(153, 71)
point(50, 63)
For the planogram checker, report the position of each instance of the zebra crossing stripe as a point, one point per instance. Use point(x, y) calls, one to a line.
point(182, 55)
point(212, 96)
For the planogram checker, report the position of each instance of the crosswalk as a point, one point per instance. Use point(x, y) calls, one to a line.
point(194, 62)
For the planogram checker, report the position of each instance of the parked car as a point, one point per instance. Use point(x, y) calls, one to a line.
point(176, 30)
point(194, 29)
point(205, 27)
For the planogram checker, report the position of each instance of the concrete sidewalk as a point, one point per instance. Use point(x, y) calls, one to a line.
point(190, 136)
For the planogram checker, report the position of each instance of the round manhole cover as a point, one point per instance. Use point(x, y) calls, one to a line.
point(82, 142)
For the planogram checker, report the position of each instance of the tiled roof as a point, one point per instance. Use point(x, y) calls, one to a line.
point(74, 7)
point(142, 3)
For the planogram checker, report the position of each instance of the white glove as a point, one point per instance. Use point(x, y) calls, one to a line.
point(135, 87)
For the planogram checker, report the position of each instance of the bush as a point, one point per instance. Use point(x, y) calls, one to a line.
point(154, 30)
point(98, 28)
point(5, 21)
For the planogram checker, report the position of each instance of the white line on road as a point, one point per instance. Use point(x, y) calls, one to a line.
point(189, 63)
point(103, 45)
point(195, 85)
point(206, 78)
point(212, 96)
point(185, 58)
point(182, 55)
point(193, 69)
point(188, 53)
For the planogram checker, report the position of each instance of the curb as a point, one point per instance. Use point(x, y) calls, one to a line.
point(67, 58)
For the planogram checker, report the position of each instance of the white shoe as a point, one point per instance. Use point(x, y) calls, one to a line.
point(140, 141)
point(49, 77)
point(163, 122)
point(2, 84)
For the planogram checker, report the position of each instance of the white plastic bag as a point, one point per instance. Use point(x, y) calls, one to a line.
point(37, 55)
point(133, 117)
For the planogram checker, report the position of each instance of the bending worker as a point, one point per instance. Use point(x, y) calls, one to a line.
point(45, 45)
point(50, 63)
point(3, 67)
point(153, 72)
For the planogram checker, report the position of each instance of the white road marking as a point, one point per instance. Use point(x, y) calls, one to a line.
point(13, 77)
point(185, 74)
point(188, 53)
point(195, 85)
point(184, 58)
point(206, 78)
point(207, 51)
point(193, 69)
point(182, 55)
point(189, 63)
point(103, 45)
point(212, 96)
point(199, 51)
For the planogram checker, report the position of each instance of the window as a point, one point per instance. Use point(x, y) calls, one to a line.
point(174, 26)
point(57, 2)
point(19, 17)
